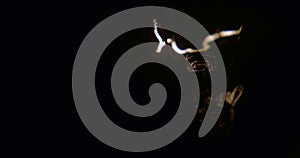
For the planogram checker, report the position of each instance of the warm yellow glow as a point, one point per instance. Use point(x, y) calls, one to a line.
point(233, 97)
point(215, 36)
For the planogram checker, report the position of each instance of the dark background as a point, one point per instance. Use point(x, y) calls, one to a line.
point(266, 123)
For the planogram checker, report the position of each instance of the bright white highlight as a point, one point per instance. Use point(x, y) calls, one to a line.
point(178, 50)
point(160, 40)
point(215, 36)
point(205, 43)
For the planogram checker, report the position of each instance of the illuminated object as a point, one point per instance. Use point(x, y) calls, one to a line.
point(205, 43)
point(161, 42)
point(231, 97)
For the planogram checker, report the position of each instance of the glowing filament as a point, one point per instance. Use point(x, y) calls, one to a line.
point(161, 43)
point(205, 43)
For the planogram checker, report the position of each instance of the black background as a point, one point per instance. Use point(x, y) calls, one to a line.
point(266, 124)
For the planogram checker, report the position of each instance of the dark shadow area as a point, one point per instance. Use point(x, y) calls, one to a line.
point(265, 122)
